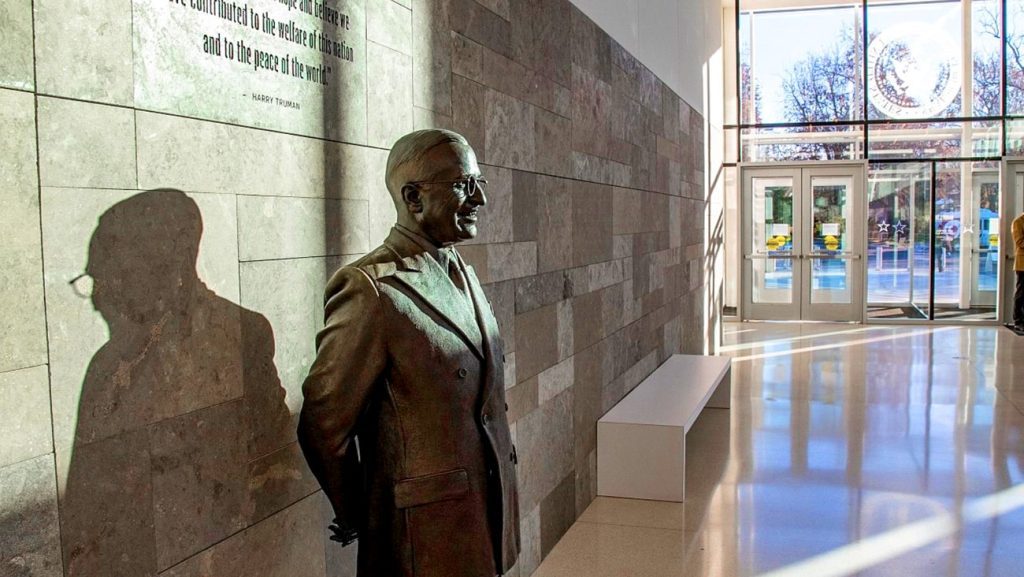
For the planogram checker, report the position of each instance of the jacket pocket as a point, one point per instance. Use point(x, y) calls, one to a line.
point(431, 488)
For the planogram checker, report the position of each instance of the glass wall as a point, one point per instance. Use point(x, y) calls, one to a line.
point(930, 94)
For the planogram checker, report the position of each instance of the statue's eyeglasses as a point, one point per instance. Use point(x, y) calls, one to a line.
point(82, 285)
point(467, 185)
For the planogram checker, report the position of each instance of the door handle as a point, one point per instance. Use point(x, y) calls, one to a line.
point(840, 255)
point(763, 256)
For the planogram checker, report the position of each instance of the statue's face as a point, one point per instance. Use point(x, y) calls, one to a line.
point(452, 198)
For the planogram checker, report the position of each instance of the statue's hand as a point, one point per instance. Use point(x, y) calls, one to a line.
point(344, 535)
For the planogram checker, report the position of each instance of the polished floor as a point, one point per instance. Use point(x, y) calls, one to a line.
point(850, 450)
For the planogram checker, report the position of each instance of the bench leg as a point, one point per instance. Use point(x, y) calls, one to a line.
point(722, 397)
point(641, 461)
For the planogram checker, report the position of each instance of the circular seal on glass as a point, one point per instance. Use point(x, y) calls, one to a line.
point(913, 71)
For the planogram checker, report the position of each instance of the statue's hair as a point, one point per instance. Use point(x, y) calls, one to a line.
point(411, 148)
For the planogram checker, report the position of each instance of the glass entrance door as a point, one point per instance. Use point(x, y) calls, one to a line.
point(802, 256)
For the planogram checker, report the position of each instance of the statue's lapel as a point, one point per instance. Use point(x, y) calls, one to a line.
point(423, 276)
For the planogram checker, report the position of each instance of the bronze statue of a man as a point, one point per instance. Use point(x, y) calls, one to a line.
point(404, 422)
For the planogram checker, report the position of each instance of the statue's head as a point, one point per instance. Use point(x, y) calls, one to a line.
point(435, 182)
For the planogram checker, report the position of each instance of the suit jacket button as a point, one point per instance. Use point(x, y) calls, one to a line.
point(462, 373)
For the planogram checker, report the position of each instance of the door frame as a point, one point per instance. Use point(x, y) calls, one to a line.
point(1012, 203)
point(801, 173)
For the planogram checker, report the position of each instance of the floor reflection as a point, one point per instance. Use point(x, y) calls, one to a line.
point(850, 450)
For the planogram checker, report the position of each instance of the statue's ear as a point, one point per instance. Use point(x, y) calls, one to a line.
point(413, 198)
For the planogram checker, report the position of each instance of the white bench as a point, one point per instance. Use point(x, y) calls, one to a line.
point(641, 441)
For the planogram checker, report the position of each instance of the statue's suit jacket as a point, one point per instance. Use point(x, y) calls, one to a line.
point(413, 368)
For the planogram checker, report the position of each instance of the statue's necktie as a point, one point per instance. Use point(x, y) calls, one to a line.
point(453, 269)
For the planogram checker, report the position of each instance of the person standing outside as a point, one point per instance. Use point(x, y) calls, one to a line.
point(1018, 266)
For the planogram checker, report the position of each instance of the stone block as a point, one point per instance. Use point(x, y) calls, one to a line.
point(23, 327)
point(541, 290)
point(530, 551)
point(555, 224)
point(542, 38)
point(511, 260)
point(522, 399)
point(591, 222)
point(499, 7)
point(536, 341)
point(557, 513)
point(467, 58)
point(627, 211)
point(433, 86)
point(566, 330)
point(190, 155)
point(88, 57)
point(17, 67)
point(478, 23)
point(279, 228)
point(468, 114)
point(588, 328)
point(502, 299)
point(29, 527)
point(389, 84)
point(86, 145)
point(509, 138)
point(287, 544)
point(106, 506)
point(591, 47)
point(554, 144)
point(200, 480)
point(389, 24)
point(544, 442)
point(25, 430)
point(524, 206)
point(554, 380)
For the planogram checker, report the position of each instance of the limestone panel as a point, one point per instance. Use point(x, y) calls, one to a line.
point(288, 544)
point(295, 315)
point(468, 114)
point(541, 290)
point(278, 228)
point(278, 480)
point(22, 318)
point(105, 506)
point(210, 157)
point(591, 222)
point(152, 331)
point(16, 68)
point(499, 7)
point(472, 20)
point(510, 132)
point(389, 113)
point(541, 37)
point(25, 430)
point(529, 553)
point(86, 145)
point(432, 57)
point(557, 513)
point(200, 480)
point(554, 144)
point(29, 528)
point(544, 442)
point(536, 341)
point(524, 209)
point(555, 224)
point(87, 56)
point(389, 24)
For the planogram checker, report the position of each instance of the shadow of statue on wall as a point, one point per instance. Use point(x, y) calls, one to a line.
point(177, 408)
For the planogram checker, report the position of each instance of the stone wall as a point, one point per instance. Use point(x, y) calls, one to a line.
point(147, 411)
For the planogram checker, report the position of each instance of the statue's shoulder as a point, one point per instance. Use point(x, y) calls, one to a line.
point(378, 263)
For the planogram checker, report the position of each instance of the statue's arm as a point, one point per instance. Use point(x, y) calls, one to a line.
point(351, 354)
